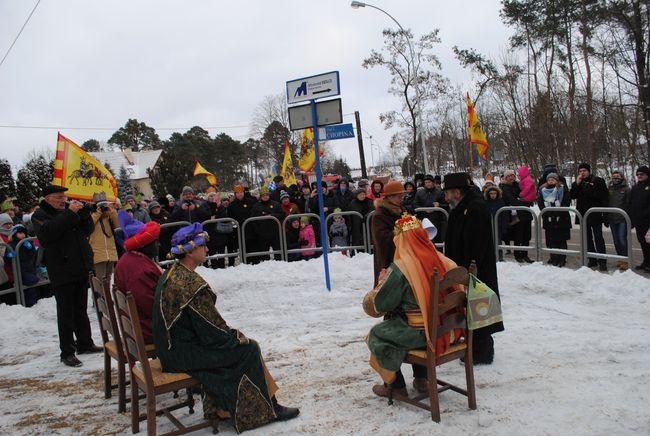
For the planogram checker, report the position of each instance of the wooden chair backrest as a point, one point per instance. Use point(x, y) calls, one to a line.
point(105, 313)
point(451, 310)
point(134, 346)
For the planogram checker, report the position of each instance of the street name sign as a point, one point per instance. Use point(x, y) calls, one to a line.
point(337, 131)
point(311, 88)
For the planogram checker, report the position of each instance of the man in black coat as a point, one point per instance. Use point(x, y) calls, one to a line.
point(266, 232)
point(639, 210)
point(469, 238)
point(189, 208)
point(591, 191)
point(241, 209)
point(432, 196)
point(63, 230)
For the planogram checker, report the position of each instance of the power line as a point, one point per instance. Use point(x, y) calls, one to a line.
point(112, 128)
point(19, 33)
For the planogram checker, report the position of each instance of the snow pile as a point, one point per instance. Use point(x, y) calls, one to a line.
point(574, 357)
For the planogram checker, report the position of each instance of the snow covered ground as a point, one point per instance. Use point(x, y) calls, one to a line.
point(574, 359)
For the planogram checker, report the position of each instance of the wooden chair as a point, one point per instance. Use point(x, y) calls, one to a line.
point(147, 375)
point(452, 313)
point(112, 339)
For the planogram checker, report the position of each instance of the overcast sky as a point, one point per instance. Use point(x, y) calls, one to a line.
point(177, 64)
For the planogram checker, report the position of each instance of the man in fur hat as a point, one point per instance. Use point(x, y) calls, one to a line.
point(470, 238)
point(191, 336)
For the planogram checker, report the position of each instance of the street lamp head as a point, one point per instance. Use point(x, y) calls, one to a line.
point(357, 5)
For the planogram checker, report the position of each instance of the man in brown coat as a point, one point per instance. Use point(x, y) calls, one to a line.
point(387, 210)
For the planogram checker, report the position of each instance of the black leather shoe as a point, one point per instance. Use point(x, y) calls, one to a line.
point(592, 263)
point(92, 349)
point(283, 413)
point(528, 260)
point(71, 360)
point(602, 267)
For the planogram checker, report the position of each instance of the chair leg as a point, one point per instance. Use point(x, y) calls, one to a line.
point(135, 406)
point(121, 387)
point(190, 400)
point(469, 376)
point(432, 381)
point(151, 412)
point(107, 375)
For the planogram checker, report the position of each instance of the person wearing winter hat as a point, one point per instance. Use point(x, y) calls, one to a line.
point(404, 288)
point(432, 196)
point(63, 229)
point(191, 336)
point(102, 239)
point(519, 230)
point(288, 207)
point(639, 210)
point(140, 213)
point(189, 208)
point(557, 225)
point(265, 232)
point(619, 196)
point(409, 196)
point(470, 238)
point(137, 271)
point(387, 210)
point(591, 191)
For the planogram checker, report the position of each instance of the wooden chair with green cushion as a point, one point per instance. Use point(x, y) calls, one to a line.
point(147, 375)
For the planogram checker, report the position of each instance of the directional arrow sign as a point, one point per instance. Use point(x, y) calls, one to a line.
point(310, 88)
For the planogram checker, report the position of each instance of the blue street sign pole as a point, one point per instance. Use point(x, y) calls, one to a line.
point(319, 188)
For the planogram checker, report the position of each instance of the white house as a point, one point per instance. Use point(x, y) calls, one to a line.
point(136, 164)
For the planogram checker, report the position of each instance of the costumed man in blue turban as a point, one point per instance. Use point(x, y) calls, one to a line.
point(191, 336)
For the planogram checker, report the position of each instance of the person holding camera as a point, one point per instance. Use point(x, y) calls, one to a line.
point(189, 208)
point(102, 238)
point(63, 229)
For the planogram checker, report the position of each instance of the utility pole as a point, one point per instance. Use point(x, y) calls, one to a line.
point(362, 157)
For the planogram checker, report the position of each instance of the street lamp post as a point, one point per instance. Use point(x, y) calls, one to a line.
point(357, 5)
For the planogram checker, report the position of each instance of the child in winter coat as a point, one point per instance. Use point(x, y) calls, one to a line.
point(527, 185)
point(293, 238)
point(307, 237)
point(339, 231)
point(494, 202)
point(26, 256)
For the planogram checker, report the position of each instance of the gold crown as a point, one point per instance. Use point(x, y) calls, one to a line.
point(406, 222)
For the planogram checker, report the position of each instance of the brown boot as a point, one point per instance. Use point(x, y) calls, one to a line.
point(622, 265)
point(382, 391)
point(421, 385)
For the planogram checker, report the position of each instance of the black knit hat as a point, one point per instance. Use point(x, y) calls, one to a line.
point(585, 166)
point(456, 180)
point(643, 169)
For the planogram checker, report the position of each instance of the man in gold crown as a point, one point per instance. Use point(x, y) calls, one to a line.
point(402, 294)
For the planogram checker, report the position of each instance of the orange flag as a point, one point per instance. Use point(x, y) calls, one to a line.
point(81, 173)
point(475, 131)
point(198, 169)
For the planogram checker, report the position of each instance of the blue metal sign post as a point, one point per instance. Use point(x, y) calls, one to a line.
point(319, 188)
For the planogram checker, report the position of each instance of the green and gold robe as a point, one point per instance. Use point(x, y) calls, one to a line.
point(191, 336)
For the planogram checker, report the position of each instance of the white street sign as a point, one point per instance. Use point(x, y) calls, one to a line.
point(311, 88)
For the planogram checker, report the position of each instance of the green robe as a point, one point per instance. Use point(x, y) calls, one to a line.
point(390, 340)
point(191, 336)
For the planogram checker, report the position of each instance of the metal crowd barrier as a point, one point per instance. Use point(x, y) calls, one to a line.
point(439, 245)
point(584, 228)
point(368, 231)
point(540, 229)
point(330, 217)
point(15, 288)
point(236, 229)
point(286, 252)
point(18, 277)
point(495, 231)
point(273, 252)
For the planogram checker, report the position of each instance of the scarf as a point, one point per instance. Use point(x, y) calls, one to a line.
point(552, 196)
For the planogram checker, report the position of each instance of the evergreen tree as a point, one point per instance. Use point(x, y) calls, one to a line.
point(136, 136)
point(170, 174)
point(91, 145)
point(124, 186)
point(32, 178)
point(7, 183)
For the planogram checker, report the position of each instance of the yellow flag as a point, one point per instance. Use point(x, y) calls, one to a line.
point(198, 169)
point(287, 166)
point(81, 173)
point(475, 131)
point(307, 154)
